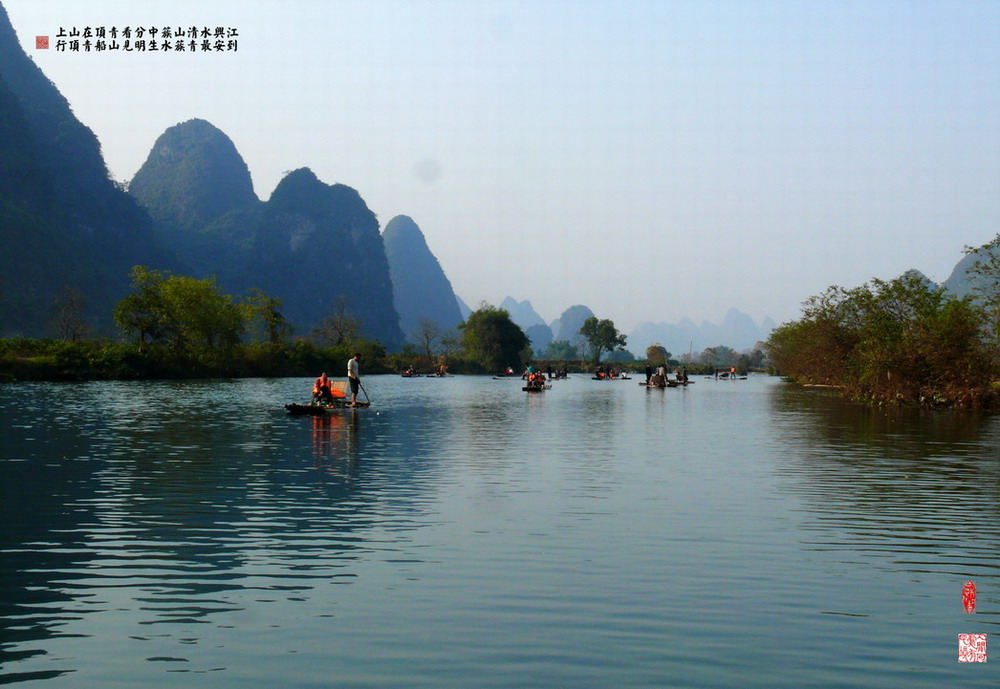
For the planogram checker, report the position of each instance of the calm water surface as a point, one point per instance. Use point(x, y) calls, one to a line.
point(462, 533)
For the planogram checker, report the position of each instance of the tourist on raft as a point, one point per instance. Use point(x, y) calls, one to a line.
point(321, 390)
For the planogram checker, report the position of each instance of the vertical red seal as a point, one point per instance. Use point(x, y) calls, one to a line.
point(41, 42)
point(969, 596)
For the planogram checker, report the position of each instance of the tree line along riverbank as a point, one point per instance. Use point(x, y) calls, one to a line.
point(903, 341)
point(173, 326)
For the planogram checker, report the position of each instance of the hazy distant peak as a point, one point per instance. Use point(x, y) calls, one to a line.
point(198, 125)
point(521, 312)
point(404, 230)
point(302, 176)
point(736, 330)
point(463, 308)
point(421, 290)
point(960, 283)
point(567, 326)
point(737, 317)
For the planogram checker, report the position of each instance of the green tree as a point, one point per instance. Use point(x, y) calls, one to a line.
point(985, 275)
point(719, 356)
point(449, 345)
point(202, 318)
point(492, 341)
point(904, 340)
point(621, 356)
point(265, 318)
point(602, 336)
point(561, 350)
point(144, 312)
point(186, 315)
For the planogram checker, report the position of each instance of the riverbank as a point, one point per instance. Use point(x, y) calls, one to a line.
point(24, 359)
point(27, 359)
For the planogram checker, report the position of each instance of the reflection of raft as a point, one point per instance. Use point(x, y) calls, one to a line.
point(321, 409)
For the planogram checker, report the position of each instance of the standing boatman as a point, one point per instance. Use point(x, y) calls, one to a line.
point(354, 377)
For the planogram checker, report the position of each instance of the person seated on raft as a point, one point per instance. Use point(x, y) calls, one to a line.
point(321, 390)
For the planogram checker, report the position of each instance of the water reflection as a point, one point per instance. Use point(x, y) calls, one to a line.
point(634, 534)
point(914, 489)
point(182, 502)
point(335, 444)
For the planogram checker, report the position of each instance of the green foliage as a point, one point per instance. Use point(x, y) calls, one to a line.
point(492, 341)
point(186, 315)
point(719, 356)
point(602, 336)
point(185, 328)
point(265, 319)
point(985, 274)
point(899, 341)
point(561, 350)
point(621, 356)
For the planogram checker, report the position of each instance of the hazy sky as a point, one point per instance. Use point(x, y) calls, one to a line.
point(652, 160)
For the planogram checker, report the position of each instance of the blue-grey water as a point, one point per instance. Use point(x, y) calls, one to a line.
point(462, 533)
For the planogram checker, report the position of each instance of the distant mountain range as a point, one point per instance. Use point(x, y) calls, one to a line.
point(737, 330)
point(313, 245)
point(191, 209)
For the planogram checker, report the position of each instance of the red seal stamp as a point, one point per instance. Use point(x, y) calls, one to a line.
point(972, 648)
point(41, 42)
point(969, 596)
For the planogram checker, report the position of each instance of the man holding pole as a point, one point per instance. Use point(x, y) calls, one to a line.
point(354, 377)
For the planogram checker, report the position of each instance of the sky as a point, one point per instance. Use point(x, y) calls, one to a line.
point(653, 160)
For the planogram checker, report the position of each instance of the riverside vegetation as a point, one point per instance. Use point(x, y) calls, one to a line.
point(904, 341)
point(175, 326)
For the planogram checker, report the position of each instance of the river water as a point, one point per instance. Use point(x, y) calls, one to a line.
point(462, 533)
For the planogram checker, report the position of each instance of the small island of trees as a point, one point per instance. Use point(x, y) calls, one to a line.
point(904, 341)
